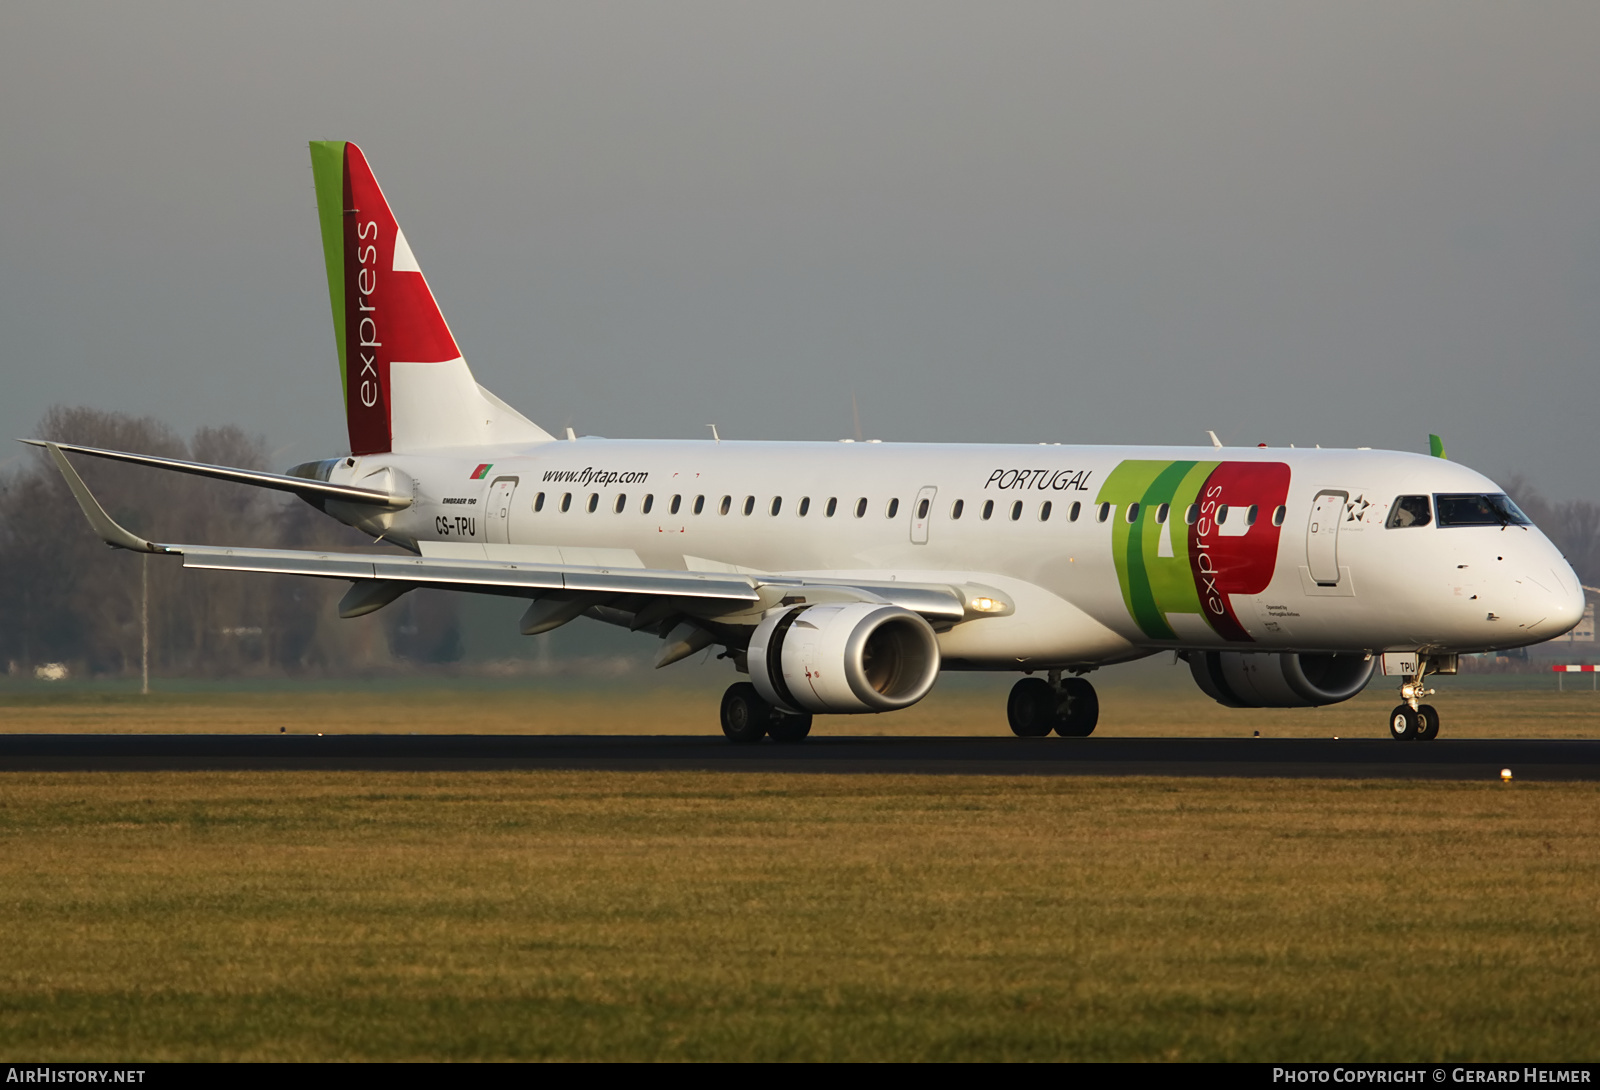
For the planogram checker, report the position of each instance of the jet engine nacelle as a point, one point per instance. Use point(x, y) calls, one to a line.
point(1246, 679)
point(845, 658)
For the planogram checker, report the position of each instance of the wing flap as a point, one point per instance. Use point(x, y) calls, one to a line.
point(467, 574)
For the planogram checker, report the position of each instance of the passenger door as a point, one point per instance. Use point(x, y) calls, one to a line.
point(497, 515)
point(1322, 536)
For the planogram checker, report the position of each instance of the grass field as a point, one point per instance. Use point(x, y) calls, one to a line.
point(553, 915)
point(1151, 705)
point(566, 915)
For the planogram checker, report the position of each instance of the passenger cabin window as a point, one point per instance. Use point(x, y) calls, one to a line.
point(594, 502)
point(1250, 515)
point(699, 504)
point(1191, 515)
point(805, 506)
point(861, 507)
point(777, 504)
point(538, 503)
point(726, 505)
point(749, 504)
point(833, 506)
point(892, 510)
point(1105, 512)
point(1044, 511)
point(1478, 509)
point(1077, 509)
point(649, 502)
point(677, 502)
point(1016, 510)
point(1278, 515)
point(1133, 512)
point(1409, 511)
point(1222, 514)
point(1161, 514)
point(988, 510)
point(956, 509)
point(622, 502)
point(566, 502)
point(922, 509)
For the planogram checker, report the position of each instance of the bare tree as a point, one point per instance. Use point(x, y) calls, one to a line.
point(1575, 528)
point(71, 599)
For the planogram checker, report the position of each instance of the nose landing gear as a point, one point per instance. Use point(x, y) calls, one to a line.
point(1069, 706)
point(1413, 720)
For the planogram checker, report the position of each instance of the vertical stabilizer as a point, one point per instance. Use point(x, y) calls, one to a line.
point(406, 386)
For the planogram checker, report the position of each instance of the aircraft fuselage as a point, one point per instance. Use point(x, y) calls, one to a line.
point(1106, 552)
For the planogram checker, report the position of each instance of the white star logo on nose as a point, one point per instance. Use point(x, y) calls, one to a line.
point(1356, 508)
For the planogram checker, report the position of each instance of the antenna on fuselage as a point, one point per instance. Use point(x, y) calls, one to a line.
point(714, 436)
point(1214, 440)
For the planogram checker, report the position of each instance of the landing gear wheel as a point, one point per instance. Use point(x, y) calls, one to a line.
point(1031, 708)
point(1428, 725)
point(1079, 709)
point(789, 728)
point(1404, 724)
point(745, 716)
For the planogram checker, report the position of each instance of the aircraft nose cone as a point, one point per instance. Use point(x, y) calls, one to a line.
point(1567, 608)
point(1551, 601)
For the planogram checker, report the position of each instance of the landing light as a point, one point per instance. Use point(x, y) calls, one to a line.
point(986, 605)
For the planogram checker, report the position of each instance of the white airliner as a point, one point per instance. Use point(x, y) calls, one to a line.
point(843, 576)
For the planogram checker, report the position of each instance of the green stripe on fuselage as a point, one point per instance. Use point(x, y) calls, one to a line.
point(1154, 585)
point(327, 169)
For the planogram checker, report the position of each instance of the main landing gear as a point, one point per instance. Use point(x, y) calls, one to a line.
point(747, 718)
point(1067, 706)
point(1413, 720)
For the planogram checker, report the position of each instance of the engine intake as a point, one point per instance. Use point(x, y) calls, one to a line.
point(846, 658)
point(1259, 679)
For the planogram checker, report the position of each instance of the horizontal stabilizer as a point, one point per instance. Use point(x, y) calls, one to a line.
point(300, 486)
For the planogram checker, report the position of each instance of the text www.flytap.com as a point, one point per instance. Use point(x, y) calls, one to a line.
point(595, 476)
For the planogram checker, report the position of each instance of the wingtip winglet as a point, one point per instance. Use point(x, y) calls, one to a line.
point(104, 525)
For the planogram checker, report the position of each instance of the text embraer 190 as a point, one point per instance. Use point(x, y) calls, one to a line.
point(842, 577)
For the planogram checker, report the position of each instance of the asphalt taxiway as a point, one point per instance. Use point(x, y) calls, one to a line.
point(1353, 758)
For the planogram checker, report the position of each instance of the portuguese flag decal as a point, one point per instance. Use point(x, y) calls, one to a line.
point(482, 471)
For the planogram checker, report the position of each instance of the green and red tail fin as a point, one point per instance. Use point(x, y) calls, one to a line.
point(406, 386)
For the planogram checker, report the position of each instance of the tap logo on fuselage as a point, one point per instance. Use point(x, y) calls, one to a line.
point(1201, 531)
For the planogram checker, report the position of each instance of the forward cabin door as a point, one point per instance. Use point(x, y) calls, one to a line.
point(922, 514)
point(497, 516)
point(1322, 537)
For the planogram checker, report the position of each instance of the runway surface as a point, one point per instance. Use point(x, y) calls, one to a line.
point(1464, 759)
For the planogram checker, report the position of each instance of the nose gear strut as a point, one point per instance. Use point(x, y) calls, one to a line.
point(1412, 719)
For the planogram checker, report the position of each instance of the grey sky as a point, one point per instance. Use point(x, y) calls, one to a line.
point(1343, 223)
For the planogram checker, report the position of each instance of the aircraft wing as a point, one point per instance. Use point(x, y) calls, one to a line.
point(639, 597)
point(488, 575)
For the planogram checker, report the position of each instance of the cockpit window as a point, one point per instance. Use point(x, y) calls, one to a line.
point(1410, 511)
point(1468, 509)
